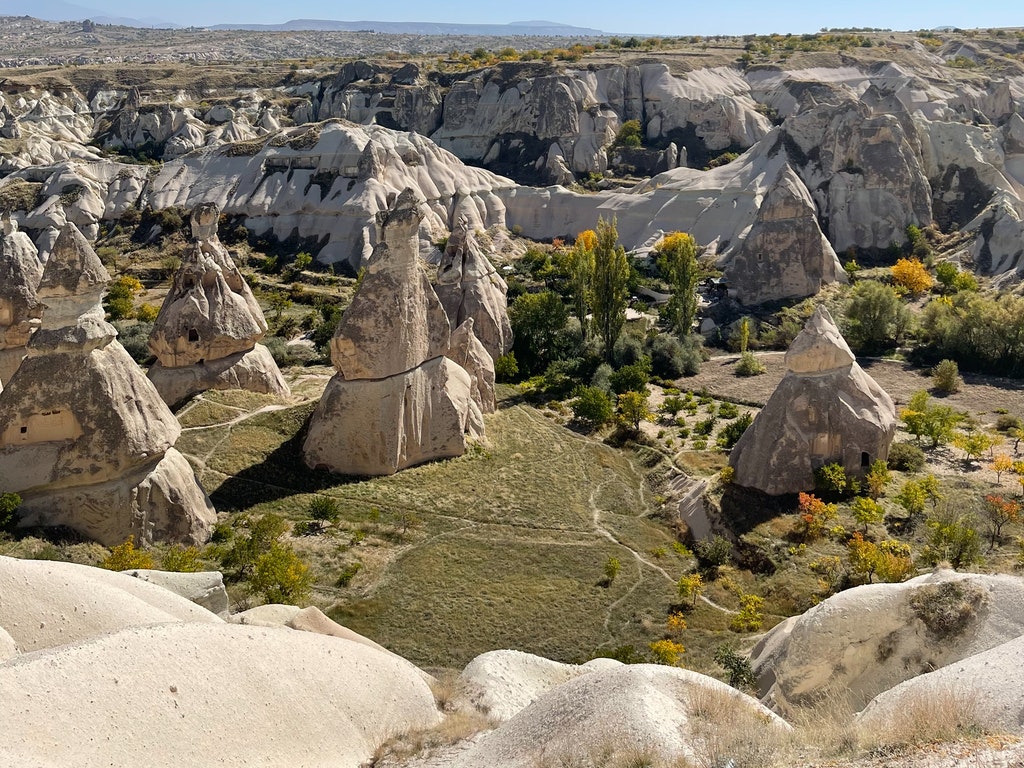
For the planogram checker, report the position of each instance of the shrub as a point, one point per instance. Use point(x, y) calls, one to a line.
point(946, 377)
point(867, 512)
point(182, 560)
point(906, 457)
point(877, 478)
point(749, 365)
point(750, 618)
point(712, 553)
point(832, 481)
point(667, 652)
point(728, 410)
point(741, 675)
point(324, 509)
point(730, 434)
point(506, 368)
point(632, 377)
point(1008, 422)
point(280, 576)
point(611, 569)
point(629, 135)
point(947, 609)
point(911, 275)
point(814, 516)
point(690, 587)
point(9, 503)
point(125, 557)
point(592, 405)
point(669, 358)
point(348, 573)
point(952, 538)
point(147, 313)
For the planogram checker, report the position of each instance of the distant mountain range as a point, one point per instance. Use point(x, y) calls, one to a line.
point(534, 28)
point(59, 10)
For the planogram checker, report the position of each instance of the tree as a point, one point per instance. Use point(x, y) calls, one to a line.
point(609, 285)
point(750, 618)
point(1001, 463)
point(997, 512)
point(912, 275)
point(690, 587)
point(280, 575)
point(667, 652)
point(121, 296)
point(952, 538)
point(676, 257)
point(611, 569)
point(537, 319)
point(936, 422)
point(877, 478)
point(9, 503)
point(324, 510)
point(579, 265)
point(632, 378)
point(629, 134)
point(125, 557)
point(890, 560)
point(633, 408)
point(592, 405)
point(912, 497)
point(867, 512)
point(875, 316)
point(814, 516)
point(973, 444)
point(741, 675)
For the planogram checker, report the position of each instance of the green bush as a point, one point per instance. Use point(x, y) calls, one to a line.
point(905, 457)
point(324, 509)
point(831, 481)
point(946, 377)
point(712, 553)
point(741, 675)
point(125, 557)
point(348, 573)
point(9, 503)
point(506, 368)
point(280, 576)
point(952, 538)
point(749, 365)
point(632, 378)
point(182, 560)
point(730, 434)
point(592, 405)
point(629, 134)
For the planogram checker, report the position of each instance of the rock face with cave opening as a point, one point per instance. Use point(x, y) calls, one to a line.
point(206, 334)
point(826, 409)
point(20, 273)
point(84, 437)
point(396, 400)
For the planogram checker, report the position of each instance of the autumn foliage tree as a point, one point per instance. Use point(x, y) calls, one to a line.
point(997, 512)
point(912, 276)
point(813, 516)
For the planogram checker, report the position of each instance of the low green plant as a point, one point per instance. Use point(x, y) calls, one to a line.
point(741, 675)
point(749, 365)
point(9, 503)
point(182, 560)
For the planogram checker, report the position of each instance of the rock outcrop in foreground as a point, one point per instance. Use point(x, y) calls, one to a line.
point(86, 439)
point(206, 334)
point(826, 409)
point(396, 400)
point(864, 641)
point(20, 273)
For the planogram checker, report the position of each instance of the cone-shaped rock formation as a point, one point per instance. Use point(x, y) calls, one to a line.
point(826, 409)
point(206, 334)
point(20, 273)
point(469, 286)
point(468, 351)
point(396, 400)
point(84, 437)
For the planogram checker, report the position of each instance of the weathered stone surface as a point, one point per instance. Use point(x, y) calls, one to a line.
point(618, 710)
point(323, 700)
point(395, 321)
point(469, 287)
point(395, 401)
point(467, 350)
point(8, 648)
point(868, 639)
point(826, 409)
point(20, 273)
point(255, 371)
point(785, 254)
point(205, 588)
point(206, 332)
point(47, 604)
point(380, 426)
point(86, 439)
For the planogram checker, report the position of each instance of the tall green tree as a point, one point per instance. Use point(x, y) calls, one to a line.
point(537, 319)
point(609, 287)
point(579, 266)
point(676, 257)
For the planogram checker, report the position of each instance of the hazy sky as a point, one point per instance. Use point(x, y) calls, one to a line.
point(671, 18)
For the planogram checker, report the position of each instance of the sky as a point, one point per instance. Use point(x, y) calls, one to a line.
point(612, 16)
